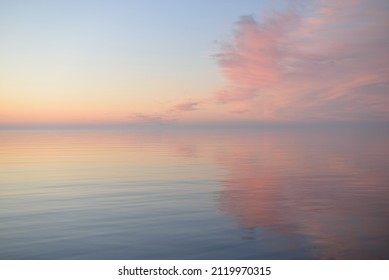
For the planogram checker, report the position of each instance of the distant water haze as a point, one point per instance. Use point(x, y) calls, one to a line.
point(269, 193)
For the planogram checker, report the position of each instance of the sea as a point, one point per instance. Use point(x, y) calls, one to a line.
point(196, 193)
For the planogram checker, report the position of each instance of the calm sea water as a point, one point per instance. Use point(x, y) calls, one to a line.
point(194, 194)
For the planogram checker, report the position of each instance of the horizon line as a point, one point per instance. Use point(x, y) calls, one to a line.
point(196, 125)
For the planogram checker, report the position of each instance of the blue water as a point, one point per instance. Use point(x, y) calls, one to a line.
point(194, 194)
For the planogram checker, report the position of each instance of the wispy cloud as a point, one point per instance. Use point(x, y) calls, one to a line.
point(168, 116)
point(327, 62)
point(148, 118)
point(185, 106)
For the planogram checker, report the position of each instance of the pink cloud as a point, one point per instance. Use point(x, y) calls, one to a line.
point(252, 59)
point(167, 116)
point(328, 62)
point(148, 118)
point(185, 106)
point(228, 95)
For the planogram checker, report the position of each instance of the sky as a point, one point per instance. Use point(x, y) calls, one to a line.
point(248, 61)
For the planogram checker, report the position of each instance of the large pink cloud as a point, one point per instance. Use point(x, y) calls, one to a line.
point(324, 61)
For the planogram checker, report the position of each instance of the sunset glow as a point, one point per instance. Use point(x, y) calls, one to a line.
point(126, 62)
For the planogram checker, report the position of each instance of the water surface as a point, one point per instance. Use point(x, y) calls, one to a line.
point(194, 194)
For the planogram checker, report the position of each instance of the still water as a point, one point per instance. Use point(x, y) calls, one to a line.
point(194, 194)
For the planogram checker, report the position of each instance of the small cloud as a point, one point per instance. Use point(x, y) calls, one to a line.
point(185, 106)
point(148, 118)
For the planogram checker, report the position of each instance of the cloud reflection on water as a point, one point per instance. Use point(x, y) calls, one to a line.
point(330, 188)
